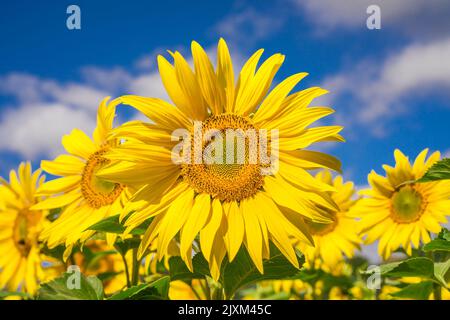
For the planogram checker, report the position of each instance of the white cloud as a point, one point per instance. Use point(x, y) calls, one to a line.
point(248, 26)
point(109, 79)
point(36, 129)
point(415, 17)
point(148, 85)
point(374, 92)
point(28, 88)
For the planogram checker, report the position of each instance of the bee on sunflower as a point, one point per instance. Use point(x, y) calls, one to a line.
point(398, 211)
point(22, 265)
point(85, 198)
point(233, 203)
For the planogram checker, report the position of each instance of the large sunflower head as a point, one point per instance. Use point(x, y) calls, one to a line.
point(399, 212)
point(21, 261)
point(339, 238)
point(84, 198)
point(196, 178)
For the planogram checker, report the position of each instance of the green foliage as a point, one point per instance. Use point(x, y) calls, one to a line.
point(437, 245)
point(123, 246)
point(108, 225)
point(112, 225)
point(420, 291)
point(441, 272)
point(433, 269)
point(438, 171)
point(238, 273)
point(156, 290)
point(179, 271)
point(414, 267)
point(444, 235)
point(65, 288)
point(241, 271)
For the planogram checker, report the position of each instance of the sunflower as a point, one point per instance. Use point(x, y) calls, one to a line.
point(399, 212)
point(85, 198)
point(339, 238)
point(241, 201)
point(21, 262)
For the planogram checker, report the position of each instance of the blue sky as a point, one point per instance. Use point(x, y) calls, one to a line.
point(389, 87)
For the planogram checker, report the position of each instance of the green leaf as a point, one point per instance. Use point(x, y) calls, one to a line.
point(438, 171)
point(440, 272)
point(412, 267)
point(97, 285)
point(112, 225)
point(383, 269)
point(242, 271)
point(179, 271)
point(158, 289)
point(420, 291)
point(238, 273)
point(130, 292)
point(108, 225)
point(65, 288)
point(437, 245)
point(122, 246)
point(444, 234)
point(56, 252)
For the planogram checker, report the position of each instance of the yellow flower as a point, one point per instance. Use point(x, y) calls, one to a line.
point(336, 239)
point(21, 263)
point(231, 203)
point(85, 198)
point(400, 212)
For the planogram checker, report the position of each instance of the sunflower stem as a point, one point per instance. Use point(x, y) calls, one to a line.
point(437, 292)
point(127, 271)
point(135, 271)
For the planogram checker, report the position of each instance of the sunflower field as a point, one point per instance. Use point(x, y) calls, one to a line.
point(168, 206)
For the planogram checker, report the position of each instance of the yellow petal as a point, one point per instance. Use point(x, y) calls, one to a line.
point(58, 201)
point(271, 105)
point(311, 159)
point(253, 88)
point(79, 144)
point(253, 236)
point(63, 165)
point(159, 111)
point(170, 82)
point(208, 233)
point(190, 86)
point(225, 74)
point(173, 221)
point(207, 79)
point(235, 233)
point(194, 223)
point(105, 118)
point(64, 184)
point(310, 136)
